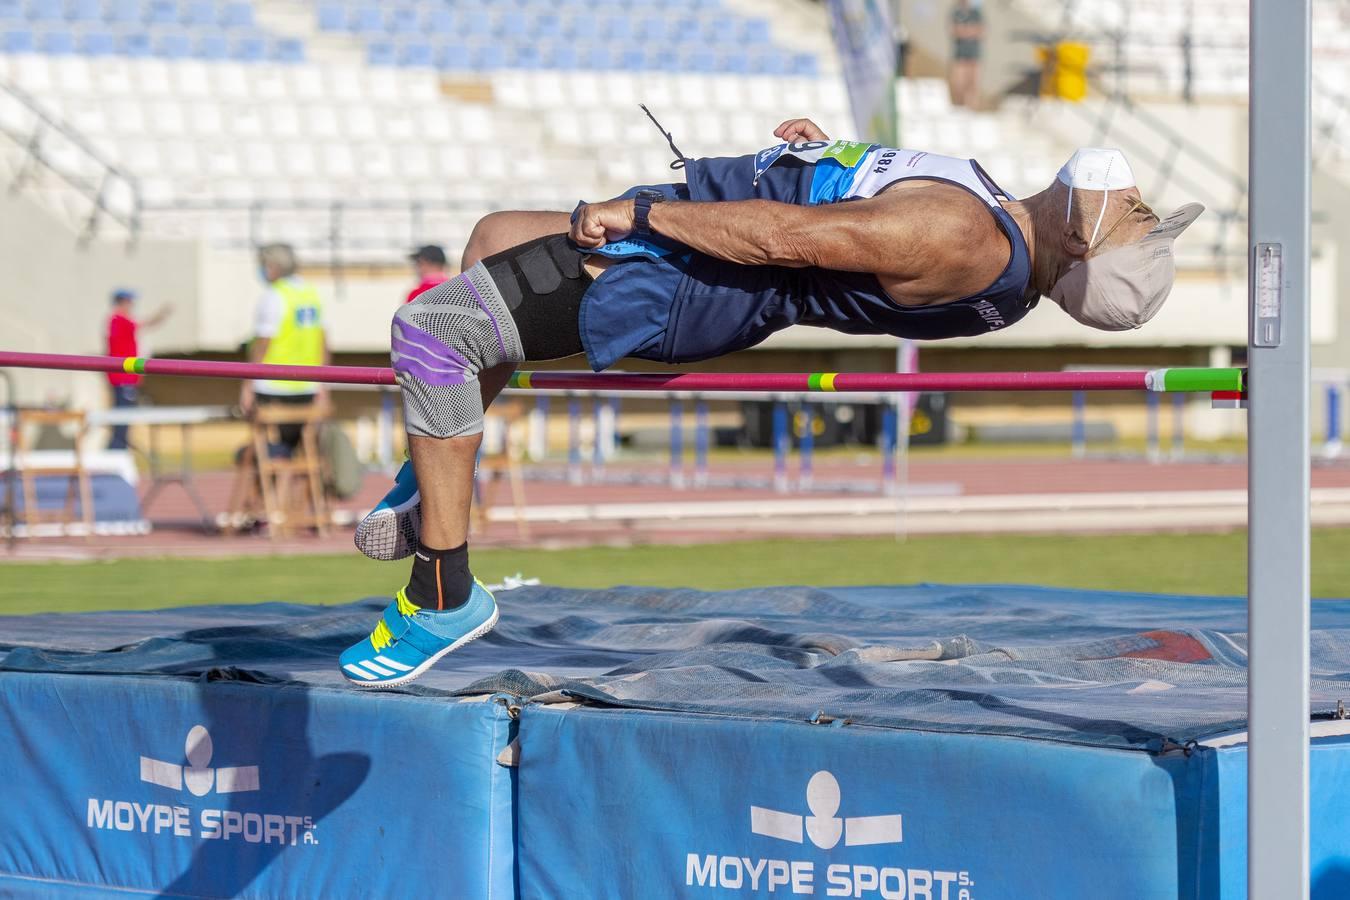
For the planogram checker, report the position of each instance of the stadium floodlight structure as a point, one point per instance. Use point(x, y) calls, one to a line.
point(1278, 533)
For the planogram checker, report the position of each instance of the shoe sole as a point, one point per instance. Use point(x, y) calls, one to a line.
point(390, 533)
point(417, 672)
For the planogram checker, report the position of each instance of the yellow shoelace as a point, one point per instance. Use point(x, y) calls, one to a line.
point(381, 636)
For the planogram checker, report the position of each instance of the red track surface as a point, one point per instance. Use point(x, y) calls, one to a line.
point(175, 533)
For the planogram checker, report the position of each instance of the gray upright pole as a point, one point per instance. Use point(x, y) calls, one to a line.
point(1278, 451)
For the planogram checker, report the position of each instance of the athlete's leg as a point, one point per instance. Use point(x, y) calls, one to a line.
point(444, 466)
point(507, 307)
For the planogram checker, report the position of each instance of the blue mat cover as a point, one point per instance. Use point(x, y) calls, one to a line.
point(968, 743)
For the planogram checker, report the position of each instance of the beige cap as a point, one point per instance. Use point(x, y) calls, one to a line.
point(1125, 286)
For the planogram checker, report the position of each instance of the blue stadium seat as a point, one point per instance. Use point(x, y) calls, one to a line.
point(755, 31)
point(97, 43)
point(248, 48)
point(770, 62)
point(332, 17)
point(547, 25)
point(721, 29)
point(513, 26)
point(487, 57)
point(616, 27)
point(162, 12)
point(416, 53)
point(56, 41)
point(286, 50)
point(18, 40)
point(366, 20)
point(199, 12)
point(597, 57)
point(631, 59)
point(654, 28)
point(134, 44)
point(381, 53)
point(699, 59)
point(441, 21)
point(805, 65)
point(237, 15)
point(175, 44)
point(403, 20)
point(211, 46)
point(686, 29)
point(455, 57)
point(475, 22)
point(562, 56)
point(84, 10)
point(122, 11)
point(525, 56)
point(11, 10)
point(44, 11)
point(735, 62)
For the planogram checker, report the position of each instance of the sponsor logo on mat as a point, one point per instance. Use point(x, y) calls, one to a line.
point(823, 826)
point(196, 776)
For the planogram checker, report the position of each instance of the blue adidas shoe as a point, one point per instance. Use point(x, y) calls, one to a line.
point(408, 639)
point(391, 529)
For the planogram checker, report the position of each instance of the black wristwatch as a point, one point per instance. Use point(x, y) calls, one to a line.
point(642, 208)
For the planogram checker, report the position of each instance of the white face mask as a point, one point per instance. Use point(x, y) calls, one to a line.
point(1095, 169)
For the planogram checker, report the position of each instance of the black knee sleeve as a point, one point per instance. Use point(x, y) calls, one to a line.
point(542, 283)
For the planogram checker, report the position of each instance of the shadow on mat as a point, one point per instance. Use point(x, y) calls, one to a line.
point(257, 786)
point(301, 785)
point(1332, 881)
point(254, 833)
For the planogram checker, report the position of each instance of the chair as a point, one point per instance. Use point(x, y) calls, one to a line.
point(76, 475)
point(286, 492)
point(492, 466)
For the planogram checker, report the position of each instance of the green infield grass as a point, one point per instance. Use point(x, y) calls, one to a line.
point(1166, 563)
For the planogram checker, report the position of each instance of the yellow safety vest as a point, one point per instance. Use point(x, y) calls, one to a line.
point(299, 339)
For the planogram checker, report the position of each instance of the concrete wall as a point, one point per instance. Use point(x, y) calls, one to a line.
point(55, 296)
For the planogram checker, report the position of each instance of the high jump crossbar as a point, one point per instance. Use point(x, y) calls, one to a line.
point(1196, 380)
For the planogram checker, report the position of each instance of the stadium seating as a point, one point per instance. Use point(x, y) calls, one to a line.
point(228, 129)
point(483, 36)
point(170, 29)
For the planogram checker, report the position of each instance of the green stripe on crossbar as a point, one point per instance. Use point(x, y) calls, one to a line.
point(1196, 380)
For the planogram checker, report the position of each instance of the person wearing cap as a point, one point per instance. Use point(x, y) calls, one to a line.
point(288, 330)
point(123, 340)
point(429, 263)
point(851, 236)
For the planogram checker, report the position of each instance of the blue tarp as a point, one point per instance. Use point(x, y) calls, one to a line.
point(969, 743)
point(1106, 669)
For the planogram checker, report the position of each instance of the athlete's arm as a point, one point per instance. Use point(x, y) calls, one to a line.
point(900, 236)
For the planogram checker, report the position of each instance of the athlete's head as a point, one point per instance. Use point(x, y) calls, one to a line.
point(1116, 254)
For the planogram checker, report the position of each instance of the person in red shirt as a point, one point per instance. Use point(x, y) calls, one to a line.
point(429, 263)
point(122, 341)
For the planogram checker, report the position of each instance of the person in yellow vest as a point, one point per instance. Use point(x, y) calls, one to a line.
point(288, 329)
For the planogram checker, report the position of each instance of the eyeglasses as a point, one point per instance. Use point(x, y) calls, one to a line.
point(1136, 205)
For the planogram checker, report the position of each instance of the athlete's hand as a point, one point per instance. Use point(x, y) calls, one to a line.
point(599, 223)
point(794, 130)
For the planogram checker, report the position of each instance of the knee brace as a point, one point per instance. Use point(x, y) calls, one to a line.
point(513, 306)
point(542, 283)
point(439, 344)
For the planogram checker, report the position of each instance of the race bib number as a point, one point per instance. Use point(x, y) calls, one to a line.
point(845, 153)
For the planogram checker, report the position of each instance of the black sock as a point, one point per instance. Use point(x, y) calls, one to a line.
point(440, 578)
